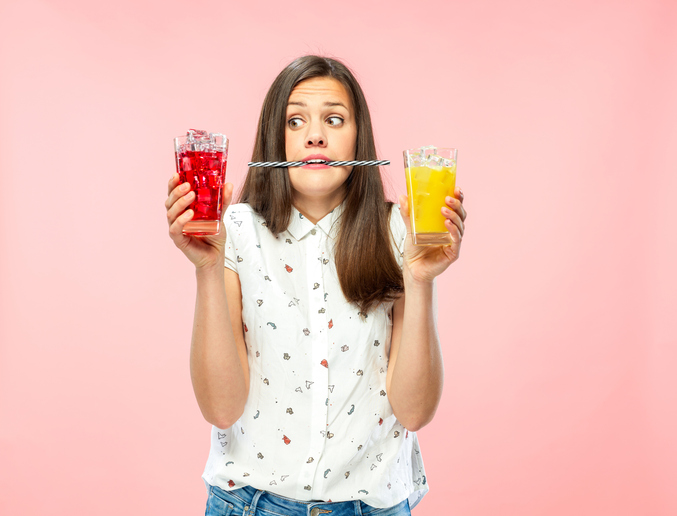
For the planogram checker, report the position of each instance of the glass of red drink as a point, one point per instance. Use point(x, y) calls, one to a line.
point(201, 161)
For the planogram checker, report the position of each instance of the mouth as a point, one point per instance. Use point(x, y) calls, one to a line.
point(316, 161)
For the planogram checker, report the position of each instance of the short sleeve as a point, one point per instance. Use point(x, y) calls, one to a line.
point(398, 233)
point(231, 258)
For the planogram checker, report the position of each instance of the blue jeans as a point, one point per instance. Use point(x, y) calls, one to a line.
point(248, 501)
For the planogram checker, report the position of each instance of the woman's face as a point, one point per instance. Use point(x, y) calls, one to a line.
point(320, 125)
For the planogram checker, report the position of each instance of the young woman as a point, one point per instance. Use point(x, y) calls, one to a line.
point(315, 353)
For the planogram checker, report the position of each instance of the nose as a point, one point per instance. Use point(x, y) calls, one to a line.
point(316, 136)
point(316, 140)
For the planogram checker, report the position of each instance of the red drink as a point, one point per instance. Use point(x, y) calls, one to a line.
point(203, 166)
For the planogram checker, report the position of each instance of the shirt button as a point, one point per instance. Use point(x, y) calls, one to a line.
point(313, 231)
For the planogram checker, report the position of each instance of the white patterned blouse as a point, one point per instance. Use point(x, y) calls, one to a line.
point(317, 424)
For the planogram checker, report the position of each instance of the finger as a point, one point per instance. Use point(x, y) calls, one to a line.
point(173, 181)
point(176, 193)
point(176, 227)
point(404, 210)
point(452, 251)
point(454, 218)
point(179, 206)
point(227, 195)
point(455, 233)
point(458, 193)
point(456, 205)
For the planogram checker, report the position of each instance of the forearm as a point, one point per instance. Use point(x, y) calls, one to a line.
point(418, 376)
point(215, 365)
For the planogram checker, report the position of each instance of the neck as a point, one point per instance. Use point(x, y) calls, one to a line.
point(316, 209)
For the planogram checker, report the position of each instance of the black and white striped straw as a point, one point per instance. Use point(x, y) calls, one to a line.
point(283, 164)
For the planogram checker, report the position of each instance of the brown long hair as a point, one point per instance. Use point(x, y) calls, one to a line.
point(367, 269)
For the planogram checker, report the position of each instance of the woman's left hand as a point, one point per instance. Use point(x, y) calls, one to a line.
point(426, 262)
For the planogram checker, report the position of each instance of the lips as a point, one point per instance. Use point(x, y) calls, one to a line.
point(315, 157)
point(316, 161)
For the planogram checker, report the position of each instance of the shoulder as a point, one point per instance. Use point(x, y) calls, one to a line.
point(238, 213)
point(241, 220)
point(240, 209)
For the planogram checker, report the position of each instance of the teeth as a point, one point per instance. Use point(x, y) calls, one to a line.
point(316, 161)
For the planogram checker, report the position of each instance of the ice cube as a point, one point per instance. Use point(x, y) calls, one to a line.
point(202, 208)
point(197, 139)
point(414, 158)
point(449, 163)
point(214, 165)
point(420, 198)
point(215, 181)
point(435, 161)
point(198, 134)
point(185, 164)
point(428, 150)
point(203, 195)
point(203, 141)
point(436, 174)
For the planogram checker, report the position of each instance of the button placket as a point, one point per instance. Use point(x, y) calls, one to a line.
point(319, 365)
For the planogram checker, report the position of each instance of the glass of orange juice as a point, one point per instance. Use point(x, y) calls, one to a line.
point(431, 176)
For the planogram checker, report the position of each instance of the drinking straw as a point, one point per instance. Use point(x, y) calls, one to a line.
point(283, 164)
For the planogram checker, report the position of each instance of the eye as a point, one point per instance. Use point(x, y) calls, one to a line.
point(295, 122)
point(335, 121)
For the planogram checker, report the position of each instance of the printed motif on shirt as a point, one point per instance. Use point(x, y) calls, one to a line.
point(317, 424)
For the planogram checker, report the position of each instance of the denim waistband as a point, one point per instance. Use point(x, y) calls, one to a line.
point(249, 501)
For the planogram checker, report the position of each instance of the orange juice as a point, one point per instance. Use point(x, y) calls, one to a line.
point(427, 186)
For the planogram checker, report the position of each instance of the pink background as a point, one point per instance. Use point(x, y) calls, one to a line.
point(557, 322)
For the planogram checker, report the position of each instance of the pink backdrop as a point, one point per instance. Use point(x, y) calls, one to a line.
point(559, 346)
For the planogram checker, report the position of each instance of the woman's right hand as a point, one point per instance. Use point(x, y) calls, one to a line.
point(203, 251)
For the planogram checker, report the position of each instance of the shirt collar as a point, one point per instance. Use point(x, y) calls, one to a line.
point(300, 226)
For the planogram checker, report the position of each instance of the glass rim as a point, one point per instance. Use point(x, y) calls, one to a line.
point(185, 136)
point(223, 145)
point(418, 149)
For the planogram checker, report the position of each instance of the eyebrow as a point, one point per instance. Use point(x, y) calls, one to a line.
point(326, 104)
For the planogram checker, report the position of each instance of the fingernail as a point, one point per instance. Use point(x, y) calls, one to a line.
point(450, 199)
point(184, 187)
